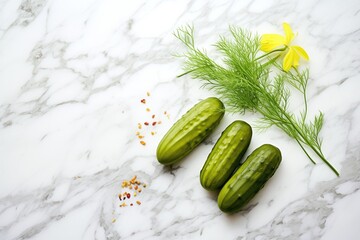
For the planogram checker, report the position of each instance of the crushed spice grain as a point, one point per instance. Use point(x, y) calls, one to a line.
point(133, 189)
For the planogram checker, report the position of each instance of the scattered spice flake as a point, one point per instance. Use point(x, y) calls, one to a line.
point(146, 123)
point(131, 184)
point(143, 143)
point(140, 137)
point(148, 94)
point(114, 220)
point(165, 112)
point(124, 184)
point(132, 181)
point(159, 122)
point(139, 126)
point(137, 133)
point(154, 123)
point(148, 109)
point(153, 116)
point(143, 101)
point(153, 133)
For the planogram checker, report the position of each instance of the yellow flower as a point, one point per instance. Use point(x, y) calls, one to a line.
point(271, 42)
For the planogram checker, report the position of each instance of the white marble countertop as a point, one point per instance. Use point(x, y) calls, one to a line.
point(72, 74)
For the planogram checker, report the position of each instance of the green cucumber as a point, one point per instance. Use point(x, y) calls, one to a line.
point(249, 178)
point(226, 155)
point(190, 130)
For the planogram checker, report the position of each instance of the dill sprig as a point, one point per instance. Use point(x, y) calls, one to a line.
point(246, 82)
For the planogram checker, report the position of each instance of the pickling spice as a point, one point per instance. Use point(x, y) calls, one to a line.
point(132, 188)
point(151, 123)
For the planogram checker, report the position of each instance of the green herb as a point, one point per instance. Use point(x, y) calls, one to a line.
point(245, 82)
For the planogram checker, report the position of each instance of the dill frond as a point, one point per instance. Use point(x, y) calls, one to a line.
point(245, 84)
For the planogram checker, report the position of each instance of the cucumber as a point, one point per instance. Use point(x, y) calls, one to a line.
point(251, 176)
point(226, 155)
point(190, 130)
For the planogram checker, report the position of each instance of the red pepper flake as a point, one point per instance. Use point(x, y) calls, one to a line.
point(143, 101)
point(154, 123)
point(146, 123)
point(138, 202)
point(142, 143)
point(153, 116)
point(136, 187)
point(131, 204)
point(128, 195)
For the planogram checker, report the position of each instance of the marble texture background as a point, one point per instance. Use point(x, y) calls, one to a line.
point(72, 74)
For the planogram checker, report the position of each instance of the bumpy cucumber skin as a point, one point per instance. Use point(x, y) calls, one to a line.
point(226, 155)
point(190, 130)
point(251, 176)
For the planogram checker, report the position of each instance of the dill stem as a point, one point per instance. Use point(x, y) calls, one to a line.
point(185, 73)
point(266, 54)
point(304, 150)
point(306, 141)
point(304, 97)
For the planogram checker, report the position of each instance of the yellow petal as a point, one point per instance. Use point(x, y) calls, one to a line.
point(301, 52)
point(289, 60)
point(289, 35)
point(269, 42)
point(296, 60)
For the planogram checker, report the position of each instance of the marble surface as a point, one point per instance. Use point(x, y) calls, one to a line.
point(72, 74)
